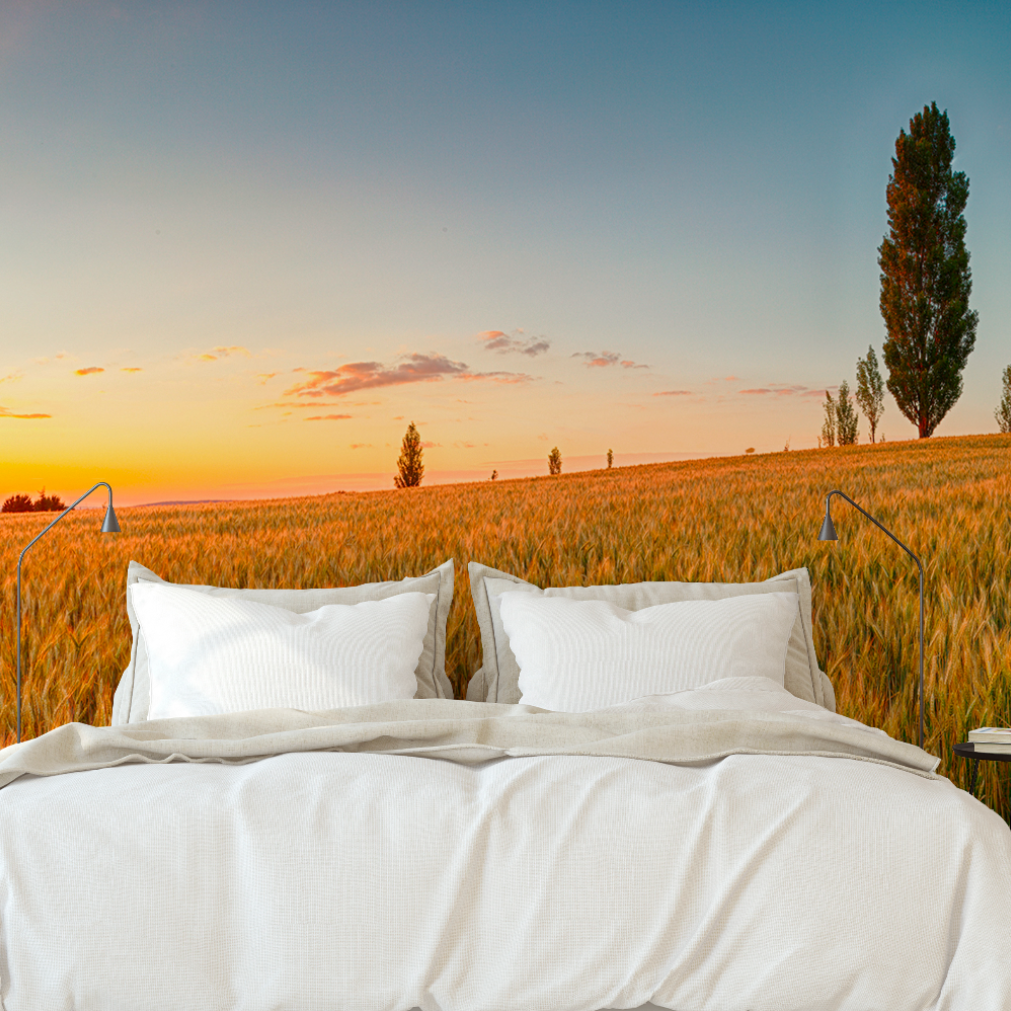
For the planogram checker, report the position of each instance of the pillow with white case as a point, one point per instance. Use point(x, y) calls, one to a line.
point(580, 655)
point(496, 680)
point(133, 693)
point(212, 655)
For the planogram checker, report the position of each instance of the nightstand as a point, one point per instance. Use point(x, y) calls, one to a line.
point(968, 750)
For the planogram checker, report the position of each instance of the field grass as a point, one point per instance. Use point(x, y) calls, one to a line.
point(740, 518)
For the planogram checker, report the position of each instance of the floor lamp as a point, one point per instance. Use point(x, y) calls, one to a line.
point(828, 534)
point(110, 525)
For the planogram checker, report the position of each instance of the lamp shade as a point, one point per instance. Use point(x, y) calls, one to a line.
point(110, 525)
point(827, 529)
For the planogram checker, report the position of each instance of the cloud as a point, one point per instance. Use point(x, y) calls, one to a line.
point(12, 377)
point(223, 352)
point(328, 417)
point(265, 377)
point(508, 378)
point(673, 393)
point(90, 371)
point(517, 341)
point(413, 368)
point(605, 359)
point(431, 445)
point(778, 390)
point(132, 369)
point(361, 445)
point(7, 413)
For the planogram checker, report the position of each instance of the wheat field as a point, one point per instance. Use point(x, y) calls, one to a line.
point(734, 519)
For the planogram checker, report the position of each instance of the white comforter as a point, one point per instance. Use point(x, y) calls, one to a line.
point(384, 882)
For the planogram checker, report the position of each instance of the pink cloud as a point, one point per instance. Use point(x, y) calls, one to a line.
point(606, 358)
point(673, 393)
point(503, 343)
point(328, 417)
point(414, 368)
point(431, 445)
point(132, 369)
point(90, 371)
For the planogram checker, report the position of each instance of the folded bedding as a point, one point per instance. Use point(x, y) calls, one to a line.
point(727, 847)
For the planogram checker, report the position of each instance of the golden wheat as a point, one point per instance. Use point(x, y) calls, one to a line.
point(740, 518)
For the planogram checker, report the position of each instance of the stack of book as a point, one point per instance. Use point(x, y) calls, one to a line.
point(991, 740)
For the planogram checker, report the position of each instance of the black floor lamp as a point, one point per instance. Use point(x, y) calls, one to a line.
point(110, 525)
point(828, 534)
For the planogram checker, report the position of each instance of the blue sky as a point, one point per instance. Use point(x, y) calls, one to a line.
point(696, 191)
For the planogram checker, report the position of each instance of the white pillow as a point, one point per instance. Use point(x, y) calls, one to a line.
point(131, 703)
point(578, 655)
point(212, 655)
point(497, 679)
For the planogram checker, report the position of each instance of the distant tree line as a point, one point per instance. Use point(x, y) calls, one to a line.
point(24, 504)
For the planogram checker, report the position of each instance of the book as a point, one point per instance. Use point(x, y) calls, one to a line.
point(991, 749)
point(991, 735)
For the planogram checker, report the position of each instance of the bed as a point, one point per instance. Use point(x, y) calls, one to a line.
point(726, 842)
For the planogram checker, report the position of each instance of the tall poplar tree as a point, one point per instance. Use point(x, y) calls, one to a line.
point(1003, 412)
point(846, 423)
point(870, 395)
point(828, 425)
point(409, 466)
point(925, 276)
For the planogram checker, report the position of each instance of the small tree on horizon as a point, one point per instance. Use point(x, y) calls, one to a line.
point(610, 459)
point(24, 504)
point(828, 425)
point(846, 421)
point(870, 395)
point(925, 276)
point(410, 467)
point(554, 462)
point(18, 504)
point(49, 503)
point(1003, 413)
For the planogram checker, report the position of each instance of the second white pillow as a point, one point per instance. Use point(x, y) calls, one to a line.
point(212, 655)
point(578, 655)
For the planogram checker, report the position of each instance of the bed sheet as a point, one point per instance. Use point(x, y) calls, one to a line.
point(386, 882)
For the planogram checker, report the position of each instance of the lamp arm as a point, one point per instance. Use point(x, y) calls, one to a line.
point(919, 565)
point(40, 534)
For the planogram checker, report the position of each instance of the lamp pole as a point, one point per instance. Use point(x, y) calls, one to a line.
point(828, 534)
point(110, 525)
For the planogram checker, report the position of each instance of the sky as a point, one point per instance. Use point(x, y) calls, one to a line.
point(244, 245)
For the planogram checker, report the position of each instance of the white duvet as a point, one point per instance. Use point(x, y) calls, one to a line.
point(564, 882)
